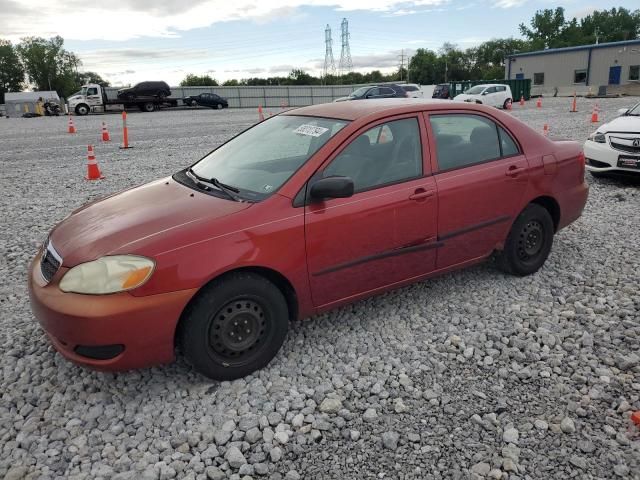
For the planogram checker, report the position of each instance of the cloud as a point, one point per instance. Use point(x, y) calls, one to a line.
point(509, 3)
point(120, 20)
point(126, 56)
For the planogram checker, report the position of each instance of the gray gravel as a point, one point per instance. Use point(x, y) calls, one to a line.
point(472, 375)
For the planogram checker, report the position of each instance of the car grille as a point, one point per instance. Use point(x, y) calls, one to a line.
point(50, 262)
point(626, 144)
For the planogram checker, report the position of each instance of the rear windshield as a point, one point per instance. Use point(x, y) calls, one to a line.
point(260, 160)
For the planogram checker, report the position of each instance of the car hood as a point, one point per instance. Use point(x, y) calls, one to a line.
point(463, 97)
point(128, 221)
point(627, 124)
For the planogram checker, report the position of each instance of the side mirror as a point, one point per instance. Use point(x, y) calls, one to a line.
point(484, 93)
point(332, 187)
point(623, 111)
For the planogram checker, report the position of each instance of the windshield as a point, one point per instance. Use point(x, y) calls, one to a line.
point(84, 91)
point(475, 90)
point(634, 110)
point(359, 92)
point(260, 160)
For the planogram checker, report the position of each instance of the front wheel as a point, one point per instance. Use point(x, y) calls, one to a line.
point(528, 243)
point(234, 327)
point(219, 106)
point(82, 109)
point(148, 107)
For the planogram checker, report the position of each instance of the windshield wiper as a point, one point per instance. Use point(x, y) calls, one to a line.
point(228, 190)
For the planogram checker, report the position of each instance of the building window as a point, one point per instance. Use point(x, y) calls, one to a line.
point(634, 72)
point(580, 76)
point(538, 78)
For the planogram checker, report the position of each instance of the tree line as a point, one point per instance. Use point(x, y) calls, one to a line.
point(547, 29)
point(44, 64)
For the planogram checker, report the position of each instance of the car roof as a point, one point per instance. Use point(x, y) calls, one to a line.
point(355, 109)
point(492, 85)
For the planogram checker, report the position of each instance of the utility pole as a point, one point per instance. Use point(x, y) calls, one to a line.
point(401, 56)
point(329, 64)
point(446, 69)
point(346, 64)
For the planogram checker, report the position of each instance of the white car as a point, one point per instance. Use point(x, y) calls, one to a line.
point(490, 94)
point(413, 90)
point(615, 146)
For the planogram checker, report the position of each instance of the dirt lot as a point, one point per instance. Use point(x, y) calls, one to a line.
point(472, 375)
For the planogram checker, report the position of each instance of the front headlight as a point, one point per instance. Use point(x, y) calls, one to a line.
point(597, 137)
point(111, 274)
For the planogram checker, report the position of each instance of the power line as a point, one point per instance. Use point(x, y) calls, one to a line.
point(346, 64)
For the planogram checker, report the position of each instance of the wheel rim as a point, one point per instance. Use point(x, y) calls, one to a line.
point(531, 240)
point(238, 329)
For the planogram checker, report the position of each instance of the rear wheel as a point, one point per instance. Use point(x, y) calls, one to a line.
point(148, 107)
point(193, 103)
point(528, 243)
point(235, 326)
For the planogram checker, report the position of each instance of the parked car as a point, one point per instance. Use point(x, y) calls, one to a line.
point(388, 90)
point(206, 100)
point(413, 90)
point(615, 146)
point(490, 94)
point(145, 89)
point(308, 210)
point(442, 90)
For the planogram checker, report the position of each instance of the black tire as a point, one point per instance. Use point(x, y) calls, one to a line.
point(211, 324)
point(219, 106)
point(528, 243)
point(193, 103)
point(82, 109)
point(148, 107)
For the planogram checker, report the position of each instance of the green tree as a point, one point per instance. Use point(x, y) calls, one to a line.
point(231, 83)
point(192, 80)
point(546, 28)
point(48, 65)
point(11, 70)
point(82, 78)
point(300, 77)
point(611, 25)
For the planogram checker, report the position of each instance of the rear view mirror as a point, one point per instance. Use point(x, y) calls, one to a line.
point(622, 111)
point(332, 187)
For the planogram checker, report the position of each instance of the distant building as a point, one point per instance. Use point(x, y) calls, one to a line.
point(18, 103)
point(582, 68)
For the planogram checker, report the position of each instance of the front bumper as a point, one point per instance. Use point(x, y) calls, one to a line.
point(600, 157)
point(143, 328)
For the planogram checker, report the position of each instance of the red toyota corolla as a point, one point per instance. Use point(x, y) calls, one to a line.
point(306, 211)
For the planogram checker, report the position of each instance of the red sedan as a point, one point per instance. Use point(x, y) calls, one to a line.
point(306, 211)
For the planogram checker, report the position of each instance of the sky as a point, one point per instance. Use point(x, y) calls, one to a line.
point(127, 41)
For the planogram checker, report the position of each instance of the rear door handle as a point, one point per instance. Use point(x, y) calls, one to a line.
point(514, 171)
point(421, 193)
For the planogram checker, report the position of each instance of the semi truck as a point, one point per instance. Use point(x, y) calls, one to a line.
point(94, 98)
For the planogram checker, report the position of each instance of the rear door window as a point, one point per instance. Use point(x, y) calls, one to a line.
point(463, 140)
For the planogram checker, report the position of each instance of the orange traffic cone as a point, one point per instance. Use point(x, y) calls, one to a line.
point(93, 172)
point(635, 418)
point(539, 102)
point(574, 107)
point(260, 114)
point(545, 130)
point(594, 114)
point(72, 127)
point(522, 100)
point(105, 133)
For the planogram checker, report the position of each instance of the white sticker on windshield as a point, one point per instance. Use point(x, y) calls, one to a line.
point(310, 130)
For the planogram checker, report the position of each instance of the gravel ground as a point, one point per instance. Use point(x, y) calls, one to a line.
point(471, 375)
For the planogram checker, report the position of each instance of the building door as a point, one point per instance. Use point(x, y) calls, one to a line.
point(519, 76)
point(614, 75)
